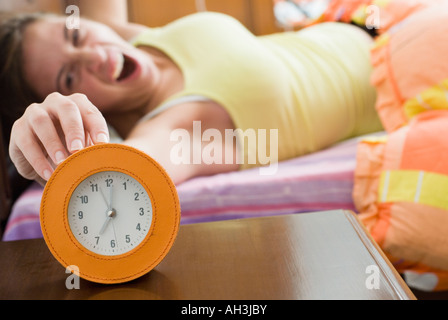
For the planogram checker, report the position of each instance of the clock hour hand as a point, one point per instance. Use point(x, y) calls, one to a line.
point(110, 215)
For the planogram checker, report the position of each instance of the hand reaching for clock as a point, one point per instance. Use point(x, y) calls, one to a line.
point(50, 131)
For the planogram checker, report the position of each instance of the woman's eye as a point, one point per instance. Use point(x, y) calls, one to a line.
point(75, 37)
point(69, 81)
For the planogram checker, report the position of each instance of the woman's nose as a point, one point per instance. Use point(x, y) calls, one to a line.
point(93, 58)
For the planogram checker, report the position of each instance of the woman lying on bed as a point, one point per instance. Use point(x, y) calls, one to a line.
point(312, 86)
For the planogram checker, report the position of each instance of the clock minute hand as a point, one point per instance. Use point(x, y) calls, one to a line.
point(108, 203)
point(105, 200)
point(110, 198)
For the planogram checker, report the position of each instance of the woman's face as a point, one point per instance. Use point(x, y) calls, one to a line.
point(92, 60)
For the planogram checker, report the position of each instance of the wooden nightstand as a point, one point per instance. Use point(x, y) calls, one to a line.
point(323, 255)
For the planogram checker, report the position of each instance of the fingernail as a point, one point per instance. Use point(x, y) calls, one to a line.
point(76, 145)
point(47, 175)
point(60, 157)
point(102, 138)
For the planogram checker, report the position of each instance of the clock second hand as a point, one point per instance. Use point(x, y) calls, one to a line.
point(115, 235)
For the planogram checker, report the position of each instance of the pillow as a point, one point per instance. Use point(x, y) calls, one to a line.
point(401, 192)
point(410, 73)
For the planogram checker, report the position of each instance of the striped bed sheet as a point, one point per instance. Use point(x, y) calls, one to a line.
point(314, 182)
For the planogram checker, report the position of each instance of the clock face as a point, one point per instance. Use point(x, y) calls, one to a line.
point(110, 213)
point(120, 213)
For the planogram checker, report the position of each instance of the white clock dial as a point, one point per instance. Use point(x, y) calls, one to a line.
point(110, 213)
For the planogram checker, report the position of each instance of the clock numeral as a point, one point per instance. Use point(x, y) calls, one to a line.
point(97, 239)
point(94, 187)
point(112, 243)
point(128, 238)
point(80, 215)
point(84, 199)
point(109, 182)
point(138, 227)
point(136, 196)
point(125, 186)
point(142, 211)
point(86, 230)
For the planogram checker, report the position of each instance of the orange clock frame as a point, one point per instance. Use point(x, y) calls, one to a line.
point(130, 265)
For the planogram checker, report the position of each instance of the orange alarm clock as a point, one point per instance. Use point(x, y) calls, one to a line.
point(111, 211)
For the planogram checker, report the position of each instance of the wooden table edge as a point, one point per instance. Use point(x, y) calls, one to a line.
point(393, 277)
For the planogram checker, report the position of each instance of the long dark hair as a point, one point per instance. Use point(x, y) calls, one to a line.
point(15, 96)
point(15, 92)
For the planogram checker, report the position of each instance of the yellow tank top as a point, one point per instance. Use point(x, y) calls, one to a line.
point(312, 85)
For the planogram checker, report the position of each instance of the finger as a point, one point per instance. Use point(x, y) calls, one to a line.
point(43, 127)
point(69, 117)
point(28, 156)
point(95, 125)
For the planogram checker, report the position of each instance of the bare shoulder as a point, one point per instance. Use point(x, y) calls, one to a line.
point(209, 113)
point(155, 137)
point(184, 115)
point(128, 30)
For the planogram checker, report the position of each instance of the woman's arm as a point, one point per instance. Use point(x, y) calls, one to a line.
point(50, 131)
point(106, 11)
point(113, 13)
point(110, 12)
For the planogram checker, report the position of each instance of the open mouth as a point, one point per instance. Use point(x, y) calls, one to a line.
point(124, 68)
point(129, 67)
